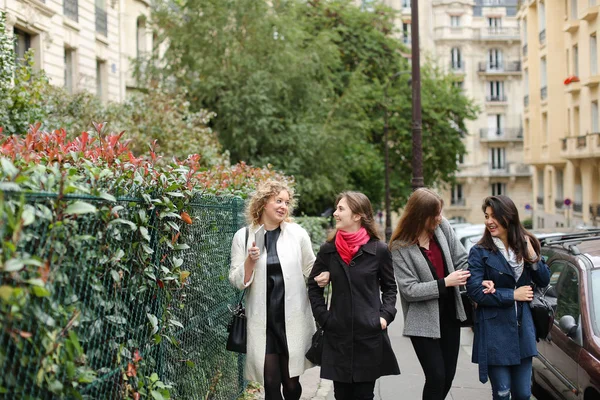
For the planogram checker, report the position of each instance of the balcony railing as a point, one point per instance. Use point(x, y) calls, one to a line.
point(595, 210)
point(457, 202)
point(495, 98)
point(457, 65)
point(544, 92)
point(581, 142)
point(499, 67)
point(559, 204)
point(499, 33)
point(501, 134)
point(526, 100)
point(540, 200)
point(578, 207)
point(542, 36)
point(71, 9)
point(407, 40)
point(525, 50)
point(564, 144)
point(101, 21)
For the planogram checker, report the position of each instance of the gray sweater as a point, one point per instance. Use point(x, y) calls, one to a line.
point(418, 289)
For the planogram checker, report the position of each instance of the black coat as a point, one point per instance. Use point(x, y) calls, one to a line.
point(355, 348)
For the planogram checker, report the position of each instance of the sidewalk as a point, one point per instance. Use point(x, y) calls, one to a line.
point(409, 384)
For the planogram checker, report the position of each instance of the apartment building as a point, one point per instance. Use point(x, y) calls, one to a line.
point(83, 44)
point(479, 43)
point(561, 117)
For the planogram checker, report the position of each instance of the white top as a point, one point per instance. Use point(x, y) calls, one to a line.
point(510, 257)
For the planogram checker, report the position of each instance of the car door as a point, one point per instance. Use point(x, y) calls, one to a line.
point(562, 352)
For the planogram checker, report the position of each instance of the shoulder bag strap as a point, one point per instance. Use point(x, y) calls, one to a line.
point(245, 251)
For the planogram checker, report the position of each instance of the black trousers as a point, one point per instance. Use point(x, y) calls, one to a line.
point(354, 390)
point(438, 359)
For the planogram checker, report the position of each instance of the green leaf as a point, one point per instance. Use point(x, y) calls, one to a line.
point(8, 167)
point(131, 225)
point(147, 248)
point(182, 246)
point(154, 322)
point(9, 186)
point(115, 275)
point(174, 322)
point(144, 233)
point(6, 292)
point(175, 194)
point(116, 319)
point(28, 216)
point(14, 264)
point(40, 291)
point(156, 395)
point(36, 282)
point(108, 197)
point(80, 207)
point(190, 364)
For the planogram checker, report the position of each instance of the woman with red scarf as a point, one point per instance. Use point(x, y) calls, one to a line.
point(356, 348)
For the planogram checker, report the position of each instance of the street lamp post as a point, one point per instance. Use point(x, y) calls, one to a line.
point(417, 149)
point(388, 212)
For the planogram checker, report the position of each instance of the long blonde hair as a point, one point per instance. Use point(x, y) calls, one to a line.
point(423, 205)
point(359, 204)
point(261, 196)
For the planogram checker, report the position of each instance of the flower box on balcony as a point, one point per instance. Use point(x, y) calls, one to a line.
point(571, 79)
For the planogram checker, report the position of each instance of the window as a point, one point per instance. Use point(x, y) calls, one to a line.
point(495, 59)
point(101, 18)
point(460, 159)
point(22, 44)
point(545, 127)
point(574, 9)
point(496, 90)
point(593, 55)
point(498, 158)
point(560, 196)
point(568, 61)
point(542, 16)
point(524, 30)
point(567, 290)
point(101, 80)
point(406, 3)
point(575, 60)
point(498, 189)
point(495, 125)
point(141, 36)
point(543, 75)
point(71, 9)
point(494, 23)
point(595, 126)
point(526, 81)
point(69, 70)
point(458, 84)
point(457, 195)
point(406, 33)
point(455, 20)
point(540, 184)
point(456, 58)
point(576, 121)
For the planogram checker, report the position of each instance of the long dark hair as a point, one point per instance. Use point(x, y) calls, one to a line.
point(505, 212)
point(422, 207)
point(359, 204)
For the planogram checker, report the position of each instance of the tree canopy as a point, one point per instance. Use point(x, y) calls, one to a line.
point(300, 85)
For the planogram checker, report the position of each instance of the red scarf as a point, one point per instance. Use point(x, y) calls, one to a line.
point(347, 244)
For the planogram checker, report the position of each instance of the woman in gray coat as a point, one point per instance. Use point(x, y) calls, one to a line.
point(430, 264)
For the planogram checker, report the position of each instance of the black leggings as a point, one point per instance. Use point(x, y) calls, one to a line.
point(438, 358)
point(354, 390)
point(277, 374)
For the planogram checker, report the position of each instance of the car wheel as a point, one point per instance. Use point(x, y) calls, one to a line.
point(537, 390)
point(591, 394)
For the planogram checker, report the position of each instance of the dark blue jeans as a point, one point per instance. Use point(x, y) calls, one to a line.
point(511, 381)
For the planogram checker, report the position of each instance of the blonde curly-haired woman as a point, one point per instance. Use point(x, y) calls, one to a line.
point(280, 324)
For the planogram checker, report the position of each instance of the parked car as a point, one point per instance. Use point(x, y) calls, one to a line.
point(568, 364)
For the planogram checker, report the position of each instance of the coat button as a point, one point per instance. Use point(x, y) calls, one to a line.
point(352, 263)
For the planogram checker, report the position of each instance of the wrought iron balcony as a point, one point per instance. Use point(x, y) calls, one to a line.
point(525, 50)
point(101, 21)
point(542, 36)
point(526, 100)
point(577, 207)
point(457, 65)
point(71, 9)
point(501, 134)
point(581, 141)
point(540, 200)
point(595, 210)
point(544, 92)
point(457, 202)
point(499, 67)
point(559, 204)
point(495, 98)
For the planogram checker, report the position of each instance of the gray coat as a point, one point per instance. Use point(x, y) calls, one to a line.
point(419, 290)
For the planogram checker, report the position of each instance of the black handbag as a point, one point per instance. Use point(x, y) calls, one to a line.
point(236, 340)
point(543, 308)
point(469, 309)
point(315, 353)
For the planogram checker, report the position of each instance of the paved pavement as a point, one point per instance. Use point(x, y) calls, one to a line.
point(409, 384)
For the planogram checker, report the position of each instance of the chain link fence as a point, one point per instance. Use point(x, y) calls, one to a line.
point(98, 314)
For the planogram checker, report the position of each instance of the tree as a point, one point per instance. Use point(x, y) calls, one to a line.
point(299, 85)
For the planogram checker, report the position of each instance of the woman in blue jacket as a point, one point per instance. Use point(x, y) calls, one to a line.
point(505, 343)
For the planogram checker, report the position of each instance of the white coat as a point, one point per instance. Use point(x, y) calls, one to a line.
point(296, 257)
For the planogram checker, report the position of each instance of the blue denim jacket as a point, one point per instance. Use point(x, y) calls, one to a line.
point(503, 335)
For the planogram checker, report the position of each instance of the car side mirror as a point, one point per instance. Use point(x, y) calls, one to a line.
point(568, 325)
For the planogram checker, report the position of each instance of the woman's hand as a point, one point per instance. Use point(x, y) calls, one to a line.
point(253, 253)
point(523, 293)
point(322, 279)
point(457, 278)
point(383, 323)
point(489, 287)
point(530, 250)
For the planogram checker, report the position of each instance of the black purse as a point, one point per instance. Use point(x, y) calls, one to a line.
point(236, 340)
point(315, 353)
point(469, 309)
